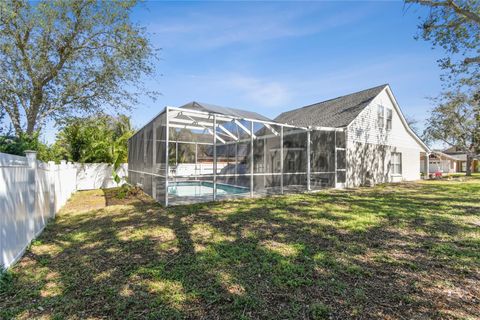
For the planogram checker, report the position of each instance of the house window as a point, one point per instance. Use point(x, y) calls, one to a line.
point(396, 163)
point(291, 161)
point(380, 116)
point(389, 119)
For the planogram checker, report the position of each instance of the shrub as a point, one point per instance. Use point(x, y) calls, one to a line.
point(319, 311)
point(17, 145)
point(126, 191)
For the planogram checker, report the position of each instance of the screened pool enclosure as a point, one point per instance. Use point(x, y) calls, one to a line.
point(201, 152)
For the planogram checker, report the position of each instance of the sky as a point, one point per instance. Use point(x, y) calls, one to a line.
point(270, 57)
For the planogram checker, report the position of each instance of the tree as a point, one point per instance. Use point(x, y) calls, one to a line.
point(454, 25)
point(60, 58)
point(17, 145)
point(456, 122)
point(99, 138)
point(2, 117)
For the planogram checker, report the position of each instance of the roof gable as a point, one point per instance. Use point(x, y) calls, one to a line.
point(404, 121)
point(337, 112)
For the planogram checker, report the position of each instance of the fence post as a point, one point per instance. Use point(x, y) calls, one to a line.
point(309, 171)
point(251, 159)
point(61, 172)
point(32, 194)
point(281, 159)
point(51, 175)
point(214, 157)
point(69, 168)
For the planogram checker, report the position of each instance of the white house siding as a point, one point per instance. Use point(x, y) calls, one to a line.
point(369, 147)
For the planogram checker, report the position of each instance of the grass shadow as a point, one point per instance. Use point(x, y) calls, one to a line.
point(402, 251)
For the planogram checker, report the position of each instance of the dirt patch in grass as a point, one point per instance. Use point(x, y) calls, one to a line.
point(401, 251)
point(86, 201)
point(126, 195)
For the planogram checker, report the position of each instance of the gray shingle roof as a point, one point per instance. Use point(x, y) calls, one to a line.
point(224, 110)
point(338, 112)
point(459, 157)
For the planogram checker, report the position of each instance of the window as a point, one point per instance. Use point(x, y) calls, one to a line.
point(380, 116)
point(291, 161)
point(389, 119)
point(396, 163)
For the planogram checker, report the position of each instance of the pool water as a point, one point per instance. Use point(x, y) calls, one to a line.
point(202, 188)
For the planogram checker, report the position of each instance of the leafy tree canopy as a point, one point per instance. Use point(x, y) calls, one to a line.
point(99, 138)
point(17, 145)
point(454, 25)
point(456, 122)
point(60, 58)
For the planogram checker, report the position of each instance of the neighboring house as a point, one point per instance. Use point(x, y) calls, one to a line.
point(460, 159)
point(380, 146)
point(440, 162)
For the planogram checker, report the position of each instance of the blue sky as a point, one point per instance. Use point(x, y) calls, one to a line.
point(270, 57)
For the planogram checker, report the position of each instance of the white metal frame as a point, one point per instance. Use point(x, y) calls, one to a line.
point(191, 119)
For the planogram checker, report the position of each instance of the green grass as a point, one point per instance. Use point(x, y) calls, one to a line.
point(398, 251)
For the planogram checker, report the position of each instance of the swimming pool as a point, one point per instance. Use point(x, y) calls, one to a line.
point(202, 188)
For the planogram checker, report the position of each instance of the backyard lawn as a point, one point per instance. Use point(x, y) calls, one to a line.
point(403, 251)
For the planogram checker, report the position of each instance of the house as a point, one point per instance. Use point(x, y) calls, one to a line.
point(451, 160)
point(459, 160)
point(380, 146)
point(439, 162)
point(202, 152)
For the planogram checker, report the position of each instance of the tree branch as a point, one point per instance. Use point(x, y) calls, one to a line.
point(452, 5)
point(472, 60)
point(468, 14)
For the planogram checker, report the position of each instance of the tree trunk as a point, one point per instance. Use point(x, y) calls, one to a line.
point(469, 164)
point(32, 114)
point(31, 121)
point(14, 116)
point(17, 126)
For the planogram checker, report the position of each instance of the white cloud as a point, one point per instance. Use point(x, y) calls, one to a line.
point(203, 31)
point(264, 93)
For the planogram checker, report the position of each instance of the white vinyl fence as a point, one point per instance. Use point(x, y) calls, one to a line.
point(32, 192)
point(98, 175)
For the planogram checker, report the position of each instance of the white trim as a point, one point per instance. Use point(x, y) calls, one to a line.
point(238, 123)
point(192, 122)
point(215, 160)
point(226, 117)
point(393, 164)
point(308, 162)
point(148, 173)
point(227, 132)
point(247, 174)
point(275, 132)
point(444, 155)
point(402, 118)
point(252, 158)
point(167, 154)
